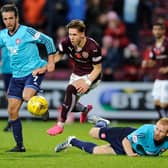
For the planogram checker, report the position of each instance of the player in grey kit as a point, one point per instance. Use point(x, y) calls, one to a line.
point(85, 55)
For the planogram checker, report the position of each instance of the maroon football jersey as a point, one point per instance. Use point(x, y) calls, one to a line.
point(84, 59)
point(160, 54)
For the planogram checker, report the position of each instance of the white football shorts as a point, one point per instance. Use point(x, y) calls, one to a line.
point(160, 91)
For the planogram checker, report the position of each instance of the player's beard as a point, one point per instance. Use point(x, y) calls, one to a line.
point(159, 36)
point(13, 29)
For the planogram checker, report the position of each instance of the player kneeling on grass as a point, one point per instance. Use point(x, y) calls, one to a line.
point(149, 139)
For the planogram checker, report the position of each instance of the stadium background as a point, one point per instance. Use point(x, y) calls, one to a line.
point(125, 92)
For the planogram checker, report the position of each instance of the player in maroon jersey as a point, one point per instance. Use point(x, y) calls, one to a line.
point(159, 58)
point(85, 54)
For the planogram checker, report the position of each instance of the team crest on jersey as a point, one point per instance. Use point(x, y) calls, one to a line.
point(134, 139)
point(37, 35)
point(163, 150)
point(158, 51)
point(162, 49)
point(18, 41)
point(85, 54)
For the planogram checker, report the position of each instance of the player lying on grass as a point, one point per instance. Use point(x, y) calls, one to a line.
point(149, 139)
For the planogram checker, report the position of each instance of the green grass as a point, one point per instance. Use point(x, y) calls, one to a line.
point(40, 151)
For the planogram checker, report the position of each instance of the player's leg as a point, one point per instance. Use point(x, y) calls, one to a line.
point(104, 149)
point(88, 147)
point(164, 98)
point(19, 90)
point(6, 80)
point(84, 114)
point(67, 106)
point(83, 109)
point(32, 87)
point(99, 123)
point(73, 141)
point(13, 109)
point(80, 107)
point(156, 93)
point(14, 104)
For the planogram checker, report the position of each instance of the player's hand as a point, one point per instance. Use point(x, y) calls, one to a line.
point(144, 64)
point(133, 154)
point(39, 71)
point(81, 86)
point(51, 67)
point(148, 63)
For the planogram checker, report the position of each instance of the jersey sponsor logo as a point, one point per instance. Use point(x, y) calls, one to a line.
point(157, 51)
point(18, 41)
point(37, 35)
point(85, 54)
point(13, 50)
point(160, 50)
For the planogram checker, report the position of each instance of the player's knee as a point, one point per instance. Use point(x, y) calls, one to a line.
point(71, 89)
point(94, 132)
point(26, 98)
point(13, 113)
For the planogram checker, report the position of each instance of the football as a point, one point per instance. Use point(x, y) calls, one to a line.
point(37, 105)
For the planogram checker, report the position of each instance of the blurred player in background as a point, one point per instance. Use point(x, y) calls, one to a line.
point(86, 58)
point(147, 140)
point(6, 76)
point(21, 42)
point(159, 57)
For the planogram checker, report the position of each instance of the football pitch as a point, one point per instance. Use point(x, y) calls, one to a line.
point(40, 149)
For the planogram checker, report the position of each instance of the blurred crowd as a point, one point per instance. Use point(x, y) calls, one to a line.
point(121, 27)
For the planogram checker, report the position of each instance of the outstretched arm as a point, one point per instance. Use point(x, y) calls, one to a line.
point(97, 69)
point(57, 57)
point(51, 64)
point(50, 67)
point(128, 148)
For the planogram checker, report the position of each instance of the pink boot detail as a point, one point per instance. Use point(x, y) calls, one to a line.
point(55, 130)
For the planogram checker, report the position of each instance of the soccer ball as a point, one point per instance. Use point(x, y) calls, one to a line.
point(37, 105)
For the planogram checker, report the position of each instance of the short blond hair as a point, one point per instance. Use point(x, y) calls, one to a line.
point(163, 121)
